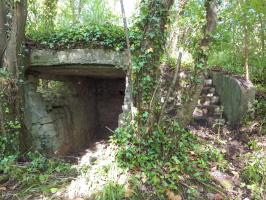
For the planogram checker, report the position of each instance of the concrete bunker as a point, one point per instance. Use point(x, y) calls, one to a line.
point(70, 103)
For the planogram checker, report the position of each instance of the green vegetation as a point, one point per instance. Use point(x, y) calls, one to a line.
point(45, 16)
point(89, 36)
point(34, 172)
point(9, 117)
point(254, 172)
point(151, 150)
point(178, 163)
point(229, 45)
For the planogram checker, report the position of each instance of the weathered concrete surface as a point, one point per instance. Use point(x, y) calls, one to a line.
point(37, 120)
point(236, 95)
point(81, 62)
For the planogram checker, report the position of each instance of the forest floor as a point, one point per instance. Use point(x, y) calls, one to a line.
point(98, 175)
point(242, 150)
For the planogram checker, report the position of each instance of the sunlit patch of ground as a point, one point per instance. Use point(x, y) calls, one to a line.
point(97, 168)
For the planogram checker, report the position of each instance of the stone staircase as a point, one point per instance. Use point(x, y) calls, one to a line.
point(209, 111)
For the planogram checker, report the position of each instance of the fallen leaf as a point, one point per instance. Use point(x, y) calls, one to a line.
point(172, 196)
point(129, 191)
point(2, 188)
point(53, 190)
point(218, 197)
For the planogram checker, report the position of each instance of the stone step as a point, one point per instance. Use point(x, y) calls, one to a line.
point(207, 82)
point(207, 90)
point(215, 109)
point(208, 100)
point(206, 114)
point(216, 121)
point(198, 112)
point(209, 121)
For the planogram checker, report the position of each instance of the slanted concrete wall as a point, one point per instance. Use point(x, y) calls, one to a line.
point(38, 121)
point(236, 96)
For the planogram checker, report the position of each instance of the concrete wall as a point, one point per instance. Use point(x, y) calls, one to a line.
point(236, 95)
point(99, 63)
point(71, 116)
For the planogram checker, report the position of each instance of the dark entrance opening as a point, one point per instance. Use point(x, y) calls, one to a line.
point(82, 109)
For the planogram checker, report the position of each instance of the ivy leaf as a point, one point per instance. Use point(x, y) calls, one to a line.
point(53, 190)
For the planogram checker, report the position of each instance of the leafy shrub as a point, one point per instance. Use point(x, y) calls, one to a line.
point(90, 36)
point(36, 172)
point(163, 159)
point(10, 117)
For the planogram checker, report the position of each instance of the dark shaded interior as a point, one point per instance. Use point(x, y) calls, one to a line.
point(83, 109)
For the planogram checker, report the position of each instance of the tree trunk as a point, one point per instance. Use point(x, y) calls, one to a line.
point(246, 50)
point(262, 33)
point(13, 53)
point(245, 27)
point(49, 13)
point(171, 45)
point(128, 102)
point(155, 17)
point(211, 21)
point(152, 45)
point(73, 10)
point(3, 29)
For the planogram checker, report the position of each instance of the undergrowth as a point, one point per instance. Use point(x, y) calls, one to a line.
point(10, 126)
point(168, 160)
point(90, 36)
point(106, 36)
point(254, 173)
point(33, 174)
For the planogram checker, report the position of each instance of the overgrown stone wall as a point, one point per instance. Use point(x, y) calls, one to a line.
point(236, 95)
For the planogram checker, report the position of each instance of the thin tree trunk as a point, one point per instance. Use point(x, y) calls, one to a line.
point(3, 29)
point(150, 69)
point(171, 45)
point(262, 33)
point(80, 6)
point(72, 6)
point(2, 121)
point(211, 18)
point(129, 101)
point(246, 49)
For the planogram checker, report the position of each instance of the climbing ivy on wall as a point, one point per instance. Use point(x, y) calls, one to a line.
point(10, 126)
point(90, 36)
